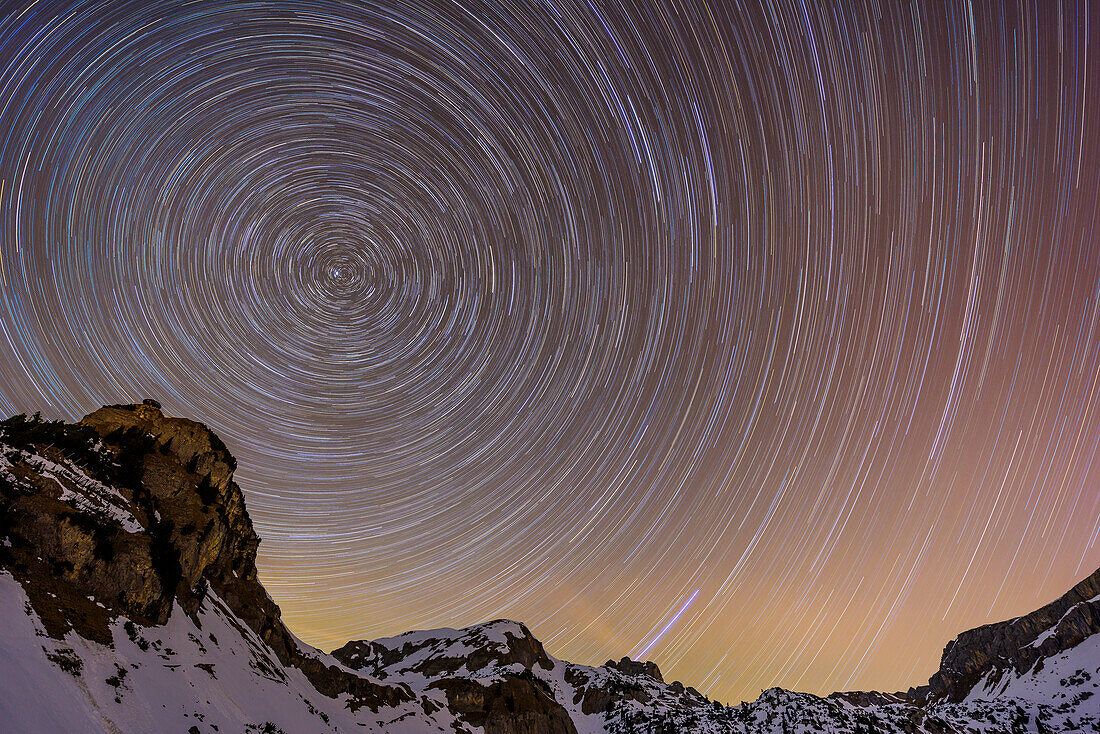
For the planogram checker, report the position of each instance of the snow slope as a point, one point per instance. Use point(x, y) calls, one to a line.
point(79, 548)
point(211, 673)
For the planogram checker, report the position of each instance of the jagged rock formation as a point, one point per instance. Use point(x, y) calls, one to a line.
point(484, 671)
point(997, 652)
point(132, 517)
point(164, 522)
point(445, 652)
point(502, 650)
point(633, 667)
point(129, 601)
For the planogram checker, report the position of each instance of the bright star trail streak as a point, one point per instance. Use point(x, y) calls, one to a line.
point(668, 626)
point(562, 311)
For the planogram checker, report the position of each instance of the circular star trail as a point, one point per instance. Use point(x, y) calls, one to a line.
point(761, 340)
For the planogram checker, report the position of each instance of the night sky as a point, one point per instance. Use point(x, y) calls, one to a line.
point(762, 341)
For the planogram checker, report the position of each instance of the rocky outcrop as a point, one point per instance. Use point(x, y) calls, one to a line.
point(181, 476)
point(987, 653)
point(634, 667)
point(488, 672)
point(516, 704)
point(129, 529)
point(165, 524)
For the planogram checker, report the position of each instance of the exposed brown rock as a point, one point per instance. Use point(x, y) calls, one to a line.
point(176, 478)
point(1011, 645)
point(515, 705)
point(593, 699)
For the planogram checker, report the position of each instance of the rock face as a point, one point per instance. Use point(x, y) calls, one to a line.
point(515, 704)
point(129, 601)
point(132, 508)
point(632, 667)
point(989, 653)
point(132, 514)
point(171, 480)
point(180, 475)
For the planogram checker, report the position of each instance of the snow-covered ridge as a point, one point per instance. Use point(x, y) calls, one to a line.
point(134, 606)
point(479, 651)
point(1059, 697)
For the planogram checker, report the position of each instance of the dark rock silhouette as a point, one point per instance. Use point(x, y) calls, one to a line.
point(633, 667)
point(1016, 645)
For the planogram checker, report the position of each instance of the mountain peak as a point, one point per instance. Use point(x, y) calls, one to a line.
point(129, 513)
point(125, 546)
point(478, 649)
point(127, 507)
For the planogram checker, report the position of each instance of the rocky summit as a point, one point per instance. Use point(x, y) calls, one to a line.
point(130, 602)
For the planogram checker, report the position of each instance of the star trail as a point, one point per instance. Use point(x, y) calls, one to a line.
point(762, 338)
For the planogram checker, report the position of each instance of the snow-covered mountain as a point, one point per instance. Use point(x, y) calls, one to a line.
point(129, 602)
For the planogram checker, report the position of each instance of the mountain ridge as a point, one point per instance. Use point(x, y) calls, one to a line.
point(128, 527)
